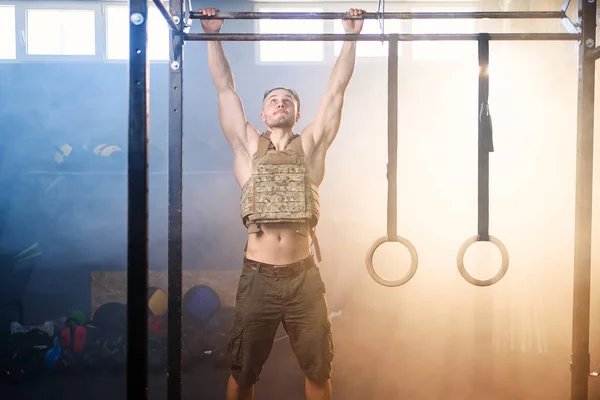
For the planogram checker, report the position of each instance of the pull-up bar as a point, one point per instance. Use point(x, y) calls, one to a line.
point(385, 15)
point(403, 37)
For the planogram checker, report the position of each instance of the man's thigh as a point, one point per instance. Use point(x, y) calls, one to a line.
point(257, 316)
point(306, 320)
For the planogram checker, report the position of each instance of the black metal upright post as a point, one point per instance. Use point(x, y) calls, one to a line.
point(580, 366)
point(175, 202)
point(137, 203)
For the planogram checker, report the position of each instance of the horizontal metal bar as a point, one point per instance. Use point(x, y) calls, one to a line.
point(595, 53)
point(123, 173)
point(405, 37)
point(165, 13)
point(386, 15)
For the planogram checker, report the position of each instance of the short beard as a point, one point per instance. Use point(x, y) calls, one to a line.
point(282, 123)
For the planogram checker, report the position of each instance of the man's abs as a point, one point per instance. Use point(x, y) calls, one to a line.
point(278, 244)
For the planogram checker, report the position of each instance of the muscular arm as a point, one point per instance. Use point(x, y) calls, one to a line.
point(231, 110)
point(329, 114)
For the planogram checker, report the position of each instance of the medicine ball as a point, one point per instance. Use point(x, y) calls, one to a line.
point(158, 302)
point(200, 303)
point(111, 317)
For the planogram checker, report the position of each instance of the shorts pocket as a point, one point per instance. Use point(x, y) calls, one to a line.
point(312, 282)
point(244, 283)
point(234, 348)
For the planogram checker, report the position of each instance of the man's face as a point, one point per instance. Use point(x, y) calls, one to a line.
point(280, 110)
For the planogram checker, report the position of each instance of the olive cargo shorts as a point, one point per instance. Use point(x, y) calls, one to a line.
point(266, 296)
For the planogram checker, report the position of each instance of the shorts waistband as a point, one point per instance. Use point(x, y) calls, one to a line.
point(292, 269)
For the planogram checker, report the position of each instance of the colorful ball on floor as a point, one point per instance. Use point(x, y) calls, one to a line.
point(200, 303)
point(111, 317)
point(158, 302)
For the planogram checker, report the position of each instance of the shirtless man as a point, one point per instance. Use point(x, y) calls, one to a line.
point(279, 173)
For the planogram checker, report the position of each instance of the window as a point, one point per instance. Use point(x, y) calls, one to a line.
point(371, 49)
point(443, 50)
point(8, 38)
point(117, 34)
point(291, 51)
point(61, 32)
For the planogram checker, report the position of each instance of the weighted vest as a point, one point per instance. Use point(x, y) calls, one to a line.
point(280, 189)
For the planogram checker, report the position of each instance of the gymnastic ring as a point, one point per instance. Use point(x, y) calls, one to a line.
point(414, 261)
point(460, 261)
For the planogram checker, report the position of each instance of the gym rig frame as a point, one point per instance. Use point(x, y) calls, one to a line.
point(179, 19)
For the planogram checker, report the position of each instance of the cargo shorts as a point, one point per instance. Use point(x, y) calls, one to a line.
point(268, 295)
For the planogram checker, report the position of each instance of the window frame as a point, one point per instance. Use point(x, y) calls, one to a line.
point(100, 31)
point(441, 7)
point(329, 54)
point(291, 7)
point(361, 58)
point(403, 46)
point(104, 33)
point(21, 31)
point(17, 36)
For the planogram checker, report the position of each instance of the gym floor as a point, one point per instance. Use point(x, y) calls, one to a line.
point(281, 379)
point(365, 368)
point(202, 383)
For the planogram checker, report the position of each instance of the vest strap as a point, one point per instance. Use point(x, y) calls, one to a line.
point(264, 142)
point(315, 241)
point(263, 145)
point(254, 228)
point(296, 145)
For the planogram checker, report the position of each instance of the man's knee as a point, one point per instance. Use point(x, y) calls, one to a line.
point(235, 384)
point(320, 389)
point(235, 391)
point(318, 377)
point(244, 378)
point(319, 382)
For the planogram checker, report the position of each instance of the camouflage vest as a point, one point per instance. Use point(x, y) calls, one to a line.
point(280, 190)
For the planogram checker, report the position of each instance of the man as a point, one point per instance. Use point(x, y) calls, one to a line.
point(279, 173)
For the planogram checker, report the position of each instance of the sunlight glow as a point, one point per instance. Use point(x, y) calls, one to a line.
point(117, 34)
point(61, 32)
point(8, 42)
point(290, 51)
